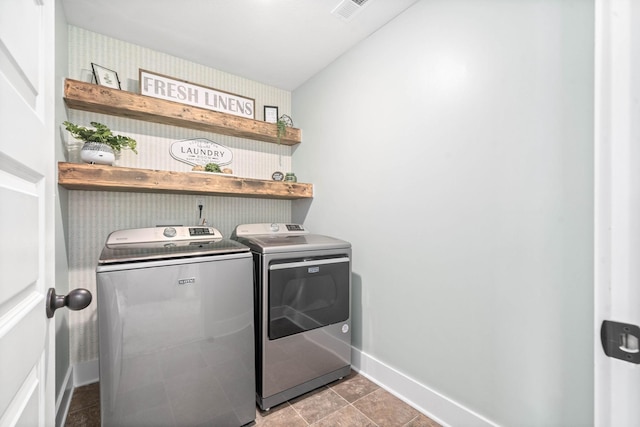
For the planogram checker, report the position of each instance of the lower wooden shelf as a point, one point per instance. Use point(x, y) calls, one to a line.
point(82, 176)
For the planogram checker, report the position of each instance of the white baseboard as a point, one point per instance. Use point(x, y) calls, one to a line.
point(431, 403)
point(86, 373)
point(63, 401)
point(78, 375)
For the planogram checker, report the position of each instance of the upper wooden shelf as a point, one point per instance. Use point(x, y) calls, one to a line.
point(83, 176)
point(101, 99)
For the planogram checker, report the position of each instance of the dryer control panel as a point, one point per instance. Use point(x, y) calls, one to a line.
point(274, 228)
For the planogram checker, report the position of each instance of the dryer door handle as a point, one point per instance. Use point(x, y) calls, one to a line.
point(306, 263)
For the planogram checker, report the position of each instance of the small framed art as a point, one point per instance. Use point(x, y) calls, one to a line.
point(270, 114)
point(105, 76)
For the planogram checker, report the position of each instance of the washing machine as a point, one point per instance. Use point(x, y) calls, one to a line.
point(302, 309)
point(175, 328)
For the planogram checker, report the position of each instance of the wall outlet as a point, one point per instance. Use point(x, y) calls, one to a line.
point(199, 209)
point(199, 202)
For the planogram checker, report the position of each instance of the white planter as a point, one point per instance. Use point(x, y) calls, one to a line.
point(97, 152)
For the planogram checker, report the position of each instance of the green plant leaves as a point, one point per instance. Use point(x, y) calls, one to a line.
point(102, 134)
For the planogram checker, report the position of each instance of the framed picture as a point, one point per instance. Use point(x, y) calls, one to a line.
point(270, 114)
point(105, 76)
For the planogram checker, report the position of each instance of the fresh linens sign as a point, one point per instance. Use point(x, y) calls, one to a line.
point(170, 89)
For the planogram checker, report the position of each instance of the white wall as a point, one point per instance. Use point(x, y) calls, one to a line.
point(453, 148)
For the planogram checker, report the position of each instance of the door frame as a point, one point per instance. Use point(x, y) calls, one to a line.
point(617, 203)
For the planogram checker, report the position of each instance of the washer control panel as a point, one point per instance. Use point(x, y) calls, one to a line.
point(162, 234)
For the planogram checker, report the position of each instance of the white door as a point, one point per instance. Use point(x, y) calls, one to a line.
point(27, 191)
point(617, 222)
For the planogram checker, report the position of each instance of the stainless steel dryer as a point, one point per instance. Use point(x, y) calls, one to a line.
point(303, 325)
point(175, 326)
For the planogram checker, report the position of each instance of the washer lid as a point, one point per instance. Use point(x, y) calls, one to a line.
point(154, 251)
point(154, 243)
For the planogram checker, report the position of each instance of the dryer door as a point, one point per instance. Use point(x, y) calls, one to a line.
point(307, 294)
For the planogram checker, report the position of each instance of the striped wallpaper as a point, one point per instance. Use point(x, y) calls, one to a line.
point(94, 214)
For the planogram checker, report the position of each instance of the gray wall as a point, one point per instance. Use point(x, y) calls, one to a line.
point(454, 149)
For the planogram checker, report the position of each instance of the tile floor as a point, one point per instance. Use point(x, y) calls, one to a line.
point(352, 401)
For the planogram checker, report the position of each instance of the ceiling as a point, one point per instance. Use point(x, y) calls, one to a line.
point(281, 43)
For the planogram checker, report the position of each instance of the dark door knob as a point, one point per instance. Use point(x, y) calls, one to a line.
point(77, 299)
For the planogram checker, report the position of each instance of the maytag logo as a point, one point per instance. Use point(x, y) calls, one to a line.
point(187, 281)
point(313, 269)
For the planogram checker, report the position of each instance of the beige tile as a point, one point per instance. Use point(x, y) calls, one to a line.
point(85, 417)
point(318, 404)
point(84, 397)
point(354, 387)
point(345, 417)
point(260, 413)
point(284, 415)
point(422, 421)
point(385, 409)
point(324, 407)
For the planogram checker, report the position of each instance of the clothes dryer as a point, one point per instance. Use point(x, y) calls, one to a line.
point(302, 309)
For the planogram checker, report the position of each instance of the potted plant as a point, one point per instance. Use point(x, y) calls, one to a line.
point(100, 144)
point(283, 122)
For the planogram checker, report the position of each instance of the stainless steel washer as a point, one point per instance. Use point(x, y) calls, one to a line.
point(303, 325)
point(176, 332)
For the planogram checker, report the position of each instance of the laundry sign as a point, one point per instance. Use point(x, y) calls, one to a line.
point(200, 151)
point(170, 89)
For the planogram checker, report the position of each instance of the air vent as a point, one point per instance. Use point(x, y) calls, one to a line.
point(348, 8)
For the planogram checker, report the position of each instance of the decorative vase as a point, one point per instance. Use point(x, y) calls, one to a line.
point(97, 152)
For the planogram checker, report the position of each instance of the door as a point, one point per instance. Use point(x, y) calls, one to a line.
point(27, 188)
point(617, 222)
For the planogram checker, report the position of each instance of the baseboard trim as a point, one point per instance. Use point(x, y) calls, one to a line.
point(63, 401)
point(431, 403)
point(86, 373)
point(77, 375)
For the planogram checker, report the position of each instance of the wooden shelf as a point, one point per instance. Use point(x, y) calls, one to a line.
point(101, 99)
point(83, 176)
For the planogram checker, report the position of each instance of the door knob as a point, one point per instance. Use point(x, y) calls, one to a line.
point(77, 299)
